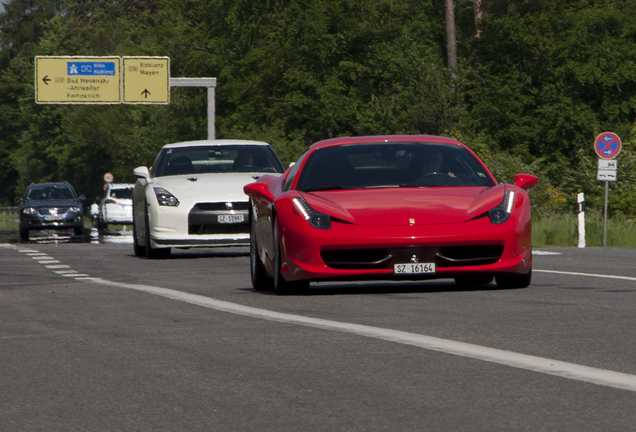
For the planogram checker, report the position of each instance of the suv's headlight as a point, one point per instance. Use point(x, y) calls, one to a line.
point(315, 218)
point(501, 213)
point(74, 209)
point(29, 210)
point(165, 198)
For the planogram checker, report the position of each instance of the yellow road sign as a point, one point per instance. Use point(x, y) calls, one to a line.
point(146, 80)
point(77, 80)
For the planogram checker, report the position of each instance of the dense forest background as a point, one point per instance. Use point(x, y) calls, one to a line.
point(536, 81)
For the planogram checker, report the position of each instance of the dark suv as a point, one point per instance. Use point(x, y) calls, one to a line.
point(51, 206)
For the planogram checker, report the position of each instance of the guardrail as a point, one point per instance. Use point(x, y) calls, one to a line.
point(9, 222)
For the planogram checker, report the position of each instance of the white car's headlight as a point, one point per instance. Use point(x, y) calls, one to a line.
point(501, 213)
point(29, 210)
point(74, 209)
point(165, 198)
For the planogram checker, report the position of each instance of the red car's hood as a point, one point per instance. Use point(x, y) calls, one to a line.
point(407, 206)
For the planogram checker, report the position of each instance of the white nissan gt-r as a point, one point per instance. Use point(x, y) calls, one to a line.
point(192, 196)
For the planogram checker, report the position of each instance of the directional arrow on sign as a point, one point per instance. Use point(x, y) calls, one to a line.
point(146, 93)
point(46, 80)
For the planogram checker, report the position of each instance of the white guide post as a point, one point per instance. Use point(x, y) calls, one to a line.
point(579, 200)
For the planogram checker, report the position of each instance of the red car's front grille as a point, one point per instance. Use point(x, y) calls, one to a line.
point(444, 257)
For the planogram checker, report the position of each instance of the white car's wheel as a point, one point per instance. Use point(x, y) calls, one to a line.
point(137, 248)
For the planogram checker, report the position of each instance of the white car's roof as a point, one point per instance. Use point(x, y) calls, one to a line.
point(120, 185)
point(220, 142)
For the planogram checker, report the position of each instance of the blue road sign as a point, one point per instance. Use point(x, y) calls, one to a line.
point(91, 68)
point(607, 145)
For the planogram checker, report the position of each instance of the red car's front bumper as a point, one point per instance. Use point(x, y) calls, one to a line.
point(351, 252)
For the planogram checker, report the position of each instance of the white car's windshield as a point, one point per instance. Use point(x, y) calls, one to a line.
point(217, 159)
point(391, 164)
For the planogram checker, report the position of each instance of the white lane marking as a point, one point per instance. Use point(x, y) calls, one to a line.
point(548, 366)
point(540, 252)
point(629, 278)
point(57, 266)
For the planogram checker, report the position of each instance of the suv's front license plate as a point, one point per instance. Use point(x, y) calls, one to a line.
point(414, 268)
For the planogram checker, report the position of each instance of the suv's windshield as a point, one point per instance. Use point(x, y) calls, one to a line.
point(217, 159)
point(396, 164)
point(50, 193)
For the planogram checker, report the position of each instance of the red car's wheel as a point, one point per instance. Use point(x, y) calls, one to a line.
point(281, 286)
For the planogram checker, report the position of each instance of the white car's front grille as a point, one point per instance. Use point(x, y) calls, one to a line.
point(218, 218)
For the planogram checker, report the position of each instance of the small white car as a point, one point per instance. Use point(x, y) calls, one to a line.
point(116, 207)
point(192, 196)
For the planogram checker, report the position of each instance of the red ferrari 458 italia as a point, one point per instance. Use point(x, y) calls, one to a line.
point(389, 208)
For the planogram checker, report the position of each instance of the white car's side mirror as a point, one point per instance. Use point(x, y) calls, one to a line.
point(142, 172)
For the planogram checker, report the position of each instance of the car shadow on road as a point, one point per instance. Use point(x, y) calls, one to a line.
point(387, 288)
point(208, 253)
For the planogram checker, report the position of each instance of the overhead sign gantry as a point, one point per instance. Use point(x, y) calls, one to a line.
point(112, 80)
point(102, 80)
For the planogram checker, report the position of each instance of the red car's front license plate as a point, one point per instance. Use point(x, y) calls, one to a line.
point(414, 268)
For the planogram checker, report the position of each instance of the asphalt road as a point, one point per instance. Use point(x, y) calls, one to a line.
point(94, 339)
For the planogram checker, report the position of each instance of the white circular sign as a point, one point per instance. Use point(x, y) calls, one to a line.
point(108, 178)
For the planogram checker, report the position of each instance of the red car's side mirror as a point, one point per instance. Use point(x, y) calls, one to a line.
point(258, 189)
point(525, 181)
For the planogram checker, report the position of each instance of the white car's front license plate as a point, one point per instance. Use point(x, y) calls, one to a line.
point(231, 218)
point(413, 268)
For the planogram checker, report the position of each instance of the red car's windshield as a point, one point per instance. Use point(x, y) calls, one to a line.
point(403, 164)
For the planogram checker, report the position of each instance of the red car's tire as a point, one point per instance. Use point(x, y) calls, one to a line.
point(260, 280)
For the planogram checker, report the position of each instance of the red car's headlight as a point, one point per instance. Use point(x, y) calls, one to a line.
point(315, 218)
point(501, 213)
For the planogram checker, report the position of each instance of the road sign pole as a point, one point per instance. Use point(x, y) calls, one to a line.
point(605, 217)
point(211, 111)
point(607, 146)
